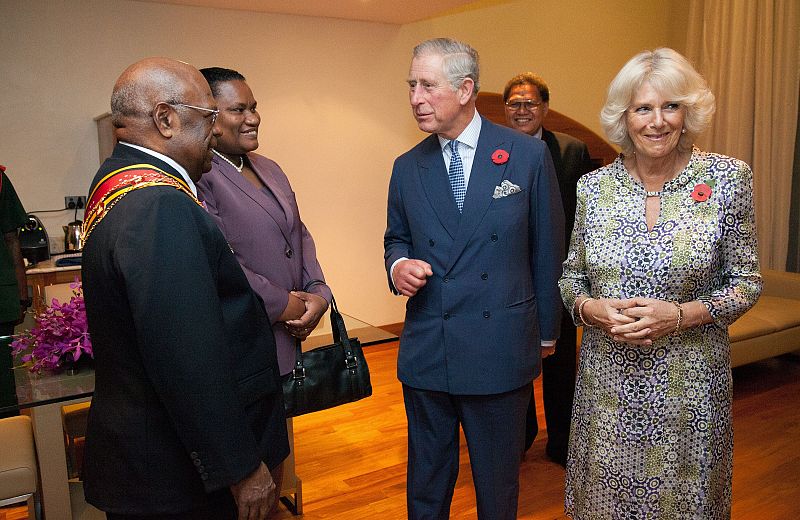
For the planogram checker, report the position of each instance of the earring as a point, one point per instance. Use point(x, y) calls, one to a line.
point(683, 130)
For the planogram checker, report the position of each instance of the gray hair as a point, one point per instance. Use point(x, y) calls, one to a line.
point(672, 76)
point(459, 60)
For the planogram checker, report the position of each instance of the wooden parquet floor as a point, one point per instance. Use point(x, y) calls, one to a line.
point(352, 458)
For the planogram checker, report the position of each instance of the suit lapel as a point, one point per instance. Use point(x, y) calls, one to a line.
point(483, 178)
point(267, 203)
point(433, 177)
point(267, 176)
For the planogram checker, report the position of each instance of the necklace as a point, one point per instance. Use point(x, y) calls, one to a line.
point(241, 160)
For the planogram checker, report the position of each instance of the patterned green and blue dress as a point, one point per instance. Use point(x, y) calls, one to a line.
point(652, 436)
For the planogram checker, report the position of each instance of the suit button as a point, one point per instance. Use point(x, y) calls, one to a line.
point(193, 454)
point(447, 280)
point(204, 476)
point(201, 469)
point(431, 243)
point(486, 314)
point(197, 462)
point(484, 276)
point(289, 252)
point(494, 237)
point(446, 316)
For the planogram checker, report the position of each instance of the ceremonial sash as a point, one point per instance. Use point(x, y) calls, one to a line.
point(119, 183)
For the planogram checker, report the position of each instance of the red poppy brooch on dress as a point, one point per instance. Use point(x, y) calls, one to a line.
point(2, 168)
point(500, 156)
point(701, 192)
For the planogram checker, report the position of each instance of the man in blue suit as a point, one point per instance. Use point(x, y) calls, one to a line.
point(475, 239)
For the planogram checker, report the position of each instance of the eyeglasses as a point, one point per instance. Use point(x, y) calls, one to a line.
point(527, 103)
point(214, 113)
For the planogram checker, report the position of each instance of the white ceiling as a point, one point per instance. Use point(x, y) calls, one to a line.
point(385, 11)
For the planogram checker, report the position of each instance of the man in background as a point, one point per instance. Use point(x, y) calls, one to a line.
point(527, 99)
point(474, 239)
point(14, 299)
point(187, 419)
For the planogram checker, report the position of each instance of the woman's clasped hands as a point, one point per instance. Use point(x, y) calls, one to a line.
point(637, 321)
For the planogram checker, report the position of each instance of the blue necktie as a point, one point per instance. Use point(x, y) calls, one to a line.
point(456, 175)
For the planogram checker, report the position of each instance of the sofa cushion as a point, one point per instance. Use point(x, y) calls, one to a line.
point(770, 314)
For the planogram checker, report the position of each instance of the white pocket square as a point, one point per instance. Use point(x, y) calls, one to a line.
point(505, 189)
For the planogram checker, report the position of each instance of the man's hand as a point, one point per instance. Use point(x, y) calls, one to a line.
point(255, 494)
point(316, 306)
point(409, 276)
point(548, 351)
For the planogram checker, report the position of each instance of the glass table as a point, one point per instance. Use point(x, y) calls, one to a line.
point(42, 396)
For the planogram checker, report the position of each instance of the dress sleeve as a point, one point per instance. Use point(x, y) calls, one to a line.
point(311, 268)
point(575, 279)
point(738, 282)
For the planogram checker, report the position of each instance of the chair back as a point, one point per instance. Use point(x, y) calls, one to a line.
point(60, 291)
point(17, 460)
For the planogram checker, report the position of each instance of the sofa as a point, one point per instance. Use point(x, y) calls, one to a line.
point(772, 326)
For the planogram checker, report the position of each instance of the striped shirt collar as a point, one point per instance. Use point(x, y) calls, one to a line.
point(470, 134)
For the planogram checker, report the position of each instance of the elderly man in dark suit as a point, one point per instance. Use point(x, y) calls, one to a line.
point(527, 97)
point(187, 418)
point(474, 239)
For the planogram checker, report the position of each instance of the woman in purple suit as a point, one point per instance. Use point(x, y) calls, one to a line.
point(250, 198)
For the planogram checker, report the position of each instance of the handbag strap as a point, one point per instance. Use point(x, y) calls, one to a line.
point(340, 336)
point(337, 322)
point(299, 371)
point(337, 326)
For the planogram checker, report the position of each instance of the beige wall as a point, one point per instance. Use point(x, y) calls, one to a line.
point(331, 94)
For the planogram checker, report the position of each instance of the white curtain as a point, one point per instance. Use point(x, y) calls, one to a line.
point(749, 52)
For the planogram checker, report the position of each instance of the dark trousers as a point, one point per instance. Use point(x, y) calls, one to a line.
point(494, 428)
point(8, 394)
point(221, 506)
point(558, 389)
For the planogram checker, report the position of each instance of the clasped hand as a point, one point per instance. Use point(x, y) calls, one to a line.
point(637, 321)
point(315, 307)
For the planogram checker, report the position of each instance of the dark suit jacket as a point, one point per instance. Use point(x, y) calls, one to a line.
point(186, 382)
point(475, 327)
point(571, 160)
point(273, 246)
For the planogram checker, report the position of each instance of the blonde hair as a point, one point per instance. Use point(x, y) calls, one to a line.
point(672, 76)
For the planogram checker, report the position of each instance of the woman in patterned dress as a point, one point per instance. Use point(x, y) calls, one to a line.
point(663, 258)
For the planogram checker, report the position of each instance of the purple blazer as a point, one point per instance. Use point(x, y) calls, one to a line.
point(264, 229)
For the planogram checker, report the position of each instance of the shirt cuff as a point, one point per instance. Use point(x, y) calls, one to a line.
point(549, 343)
point(391, 270)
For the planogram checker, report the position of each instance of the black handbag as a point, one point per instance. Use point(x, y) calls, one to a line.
point(327, 376)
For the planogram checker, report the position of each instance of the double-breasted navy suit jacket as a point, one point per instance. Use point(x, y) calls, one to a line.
point(475, 327)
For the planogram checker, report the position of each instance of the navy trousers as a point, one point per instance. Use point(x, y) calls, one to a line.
point(494, 427)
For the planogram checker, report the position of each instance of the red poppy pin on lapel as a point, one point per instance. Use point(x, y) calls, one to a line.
point(701, 192)
point(500, 156)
